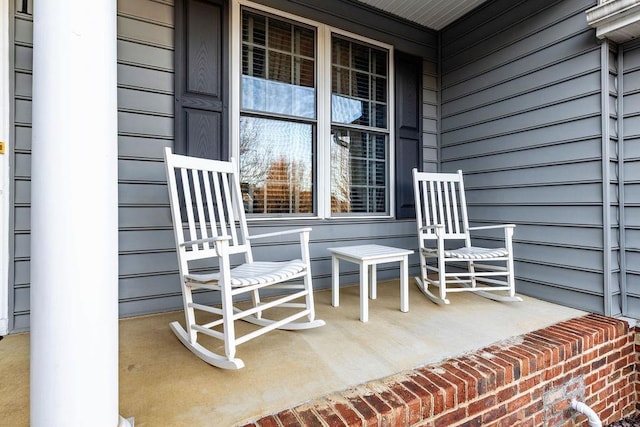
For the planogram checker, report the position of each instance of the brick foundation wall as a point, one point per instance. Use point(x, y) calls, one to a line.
point(524, 381)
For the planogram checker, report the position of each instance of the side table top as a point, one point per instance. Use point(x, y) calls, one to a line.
point(367, 252)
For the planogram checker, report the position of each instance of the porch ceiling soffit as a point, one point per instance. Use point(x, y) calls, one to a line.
point(616, 20)
point(434, 14)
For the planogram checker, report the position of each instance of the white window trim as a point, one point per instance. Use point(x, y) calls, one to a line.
point(323, 50)
point(5, 126)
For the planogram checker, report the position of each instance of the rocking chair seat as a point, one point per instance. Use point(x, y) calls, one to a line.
point(255, 273)
point(470, 253)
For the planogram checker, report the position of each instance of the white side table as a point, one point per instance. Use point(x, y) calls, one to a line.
point(367, 257)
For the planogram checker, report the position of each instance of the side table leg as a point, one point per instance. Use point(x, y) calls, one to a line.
point(364, 291)
point(335, 281)
point(404, 284)
point(373, 284)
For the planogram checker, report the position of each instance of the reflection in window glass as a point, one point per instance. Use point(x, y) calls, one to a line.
point(276, 166)
point(278, 66)
point(358, 172)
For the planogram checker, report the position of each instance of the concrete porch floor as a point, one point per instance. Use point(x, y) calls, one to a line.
point(163, 384)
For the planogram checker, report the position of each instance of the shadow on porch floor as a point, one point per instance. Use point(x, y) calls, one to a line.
point(163, 384)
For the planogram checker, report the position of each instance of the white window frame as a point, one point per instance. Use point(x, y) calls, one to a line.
point(323, 91)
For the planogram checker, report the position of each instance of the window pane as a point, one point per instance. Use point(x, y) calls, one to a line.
point(253, 29)
point(279, 35)
point(359, 84)
point(278, 66)
point(276, 166)
point(304, 41)
point(359, 172)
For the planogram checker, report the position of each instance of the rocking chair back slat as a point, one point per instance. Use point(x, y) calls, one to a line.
point(208, 177)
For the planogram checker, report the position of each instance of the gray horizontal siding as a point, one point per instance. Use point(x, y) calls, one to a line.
point(521, 116)
point(148, 271)
point(630, 174)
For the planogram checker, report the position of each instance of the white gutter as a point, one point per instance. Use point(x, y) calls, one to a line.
point(618, 20)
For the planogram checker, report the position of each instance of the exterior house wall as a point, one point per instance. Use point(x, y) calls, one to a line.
point(148, 280)
point(521, 116)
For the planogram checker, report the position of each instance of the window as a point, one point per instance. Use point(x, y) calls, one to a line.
point(314, 122)
point(359, 130)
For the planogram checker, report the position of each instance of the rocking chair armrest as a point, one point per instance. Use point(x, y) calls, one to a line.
point(280, 233)
point(214, 239)
point(431, 227)
point(487, 227)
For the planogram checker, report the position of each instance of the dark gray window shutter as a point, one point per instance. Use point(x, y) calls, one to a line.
point(201, 85)
point(408, 109)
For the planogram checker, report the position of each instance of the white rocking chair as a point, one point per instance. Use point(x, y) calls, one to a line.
point(441, 216)
point(206, 195)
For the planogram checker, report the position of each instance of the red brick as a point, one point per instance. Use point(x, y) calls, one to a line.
point(507, 360)
point(486, 377)
point(347, 413)
point(598, 363)
point(426, 398)
point(451, 393)
point(518, 403)
point(528, 358)
point(507, 393)
point(287, 418)
point(411, 401)
point(368, 415)
point(542, 353)
point(503, 375)
point(475, 422)
point(377, 404)
point(460, 385)
point(618, 326)
point(585, 341)
point(389, 412)
point(470, 382)
point(556, 348)
point(328, 414)
point(572, 364)
point(605, 348)
point(551, 373)
point(596, 335)
point(510, 420)
point(450, 418)
point(536, 406)
point(600, 331)
point(494, 414)
point(480, 406)
point(268, 421)
point(437, 394)
point(308, 417)
point(530, 382)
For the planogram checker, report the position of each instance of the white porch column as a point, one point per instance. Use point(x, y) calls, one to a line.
point(74, 217)
point(5, 54)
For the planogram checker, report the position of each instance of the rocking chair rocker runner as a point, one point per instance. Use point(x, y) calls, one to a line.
point(441, 216)
point(206, 194)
